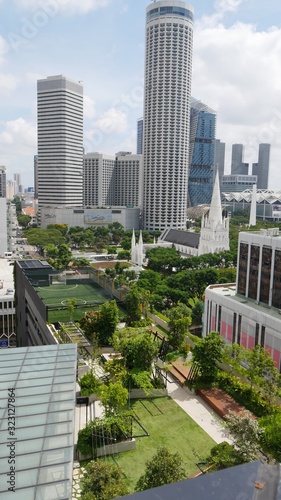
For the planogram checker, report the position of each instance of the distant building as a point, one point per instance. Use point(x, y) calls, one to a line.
point(238, 167)
point(60, 141)
point(219, 159)
point(201, 153)
point(261, 169)
point(130, 218)
point(3, 182)
point(7, 304)
point(35, 172)
point(237, 183)
point(113, 180)
point(268, 203)
point(140, 136)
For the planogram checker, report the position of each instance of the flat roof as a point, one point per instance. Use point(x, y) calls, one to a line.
point(37, 405)
point(6, 278)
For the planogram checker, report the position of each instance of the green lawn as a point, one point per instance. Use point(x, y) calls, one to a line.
point(168, 425)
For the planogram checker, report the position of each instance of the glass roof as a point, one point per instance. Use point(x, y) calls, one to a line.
point(37, 401)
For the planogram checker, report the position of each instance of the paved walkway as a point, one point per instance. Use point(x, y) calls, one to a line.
point(199, 411)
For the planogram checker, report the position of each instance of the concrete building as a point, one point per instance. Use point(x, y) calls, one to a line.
point(7, 305)
point(237, 183)
point(268, 203)
point(249, 312)
point(112, 180)
point(238, 167)
point(98, 180)
point(129, 180)
point(35, 173)
point(201, 153)
point(130, 218)
point(3, 182)
point(60, 141)
point(3, 227)
point(219, 159)
point(140, 136)
point(261, 168)
point(167, 87)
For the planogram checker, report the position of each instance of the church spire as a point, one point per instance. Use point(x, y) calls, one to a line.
point(215, 213)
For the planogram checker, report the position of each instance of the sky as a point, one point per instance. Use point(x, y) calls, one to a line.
point(236, 71)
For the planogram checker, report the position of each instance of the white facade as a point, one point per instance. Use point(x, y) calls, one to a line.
point(91, 216)
point(167, 90)
point(214, 235)
point(129, 180)
point(98, 180)
point(60, 141)
point(3, 227)
point(112, 180)
point(7, 305)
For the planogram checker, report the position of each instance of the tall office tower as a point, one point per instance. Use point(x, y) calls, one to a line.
point(168, 61)
point(35, 174)
point(129, 180)
point(60, 141)
point(261, 169)
point(238, 167)
point(98, 180)
point(17, 184)
point(201, 153)
point(219, 159)
point(140, 136)
point(3, 182)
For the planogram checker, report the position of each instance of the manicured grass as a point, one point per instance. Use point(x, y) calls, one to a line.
point(168, 425)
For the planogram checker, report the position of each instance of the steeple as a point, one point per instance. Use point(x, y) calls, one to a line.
point(215, 214)
point(253, 212)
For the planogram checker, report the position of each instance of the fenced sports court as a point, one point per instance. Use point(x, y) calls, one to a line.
point(88, 297)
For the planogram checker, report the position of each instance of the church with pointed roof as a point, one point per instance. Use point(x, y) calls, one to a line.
point(213, 238)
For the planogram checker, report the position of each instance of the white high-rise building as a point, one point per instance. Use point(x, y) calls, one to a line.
point(168, 71)
point(60, 141)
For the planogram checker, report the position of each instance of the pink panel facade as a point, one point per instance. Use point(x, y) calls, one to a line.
point(244, 339)
point(223, 329)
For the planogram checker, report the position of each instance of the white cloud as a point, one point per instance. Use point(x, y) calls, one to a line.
point(67, 6)
point(237, 71)
point(112, 121)
point(19, 133)
point(89, 107)
point(8, 84)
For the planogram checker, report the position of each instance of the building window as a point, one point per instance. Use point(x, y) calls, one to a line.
point(234, 328)
point(257, 334)
point(262, 335)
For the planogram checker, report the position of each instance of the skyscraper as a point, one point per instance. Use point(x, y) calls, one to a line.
point(60, 141)
point(140, 136)
point(238, 167)
point(261, 169)
point(168, 66)
point(201, 153)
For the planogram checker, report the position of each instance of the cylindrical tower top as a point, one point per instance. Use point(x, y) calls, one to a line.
point(165, 7)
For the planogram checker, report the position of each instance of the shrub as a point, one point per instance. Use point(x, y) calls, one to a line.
point(224, 455)
point(89, 384)
point(243, 394)
point(271, 440)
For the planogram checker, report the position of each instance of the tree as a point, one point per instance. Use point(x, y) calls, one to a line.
point(260, 365)
point(103, 481)
point(137, 347)
point(61, 227)
point(246, 433)
point(105, 321)
point(224, 455)
point(179, 321)
point(195, 310)
point(52, 250)
point(64, 255)
point(71, 303)
point(113, 397)
point(206, 353)
point(133, 303)
point(164, 468)
point(24, 220)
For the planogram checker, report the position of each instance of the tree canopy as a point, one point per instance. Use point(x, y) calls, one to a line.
point(103, 480)
point(164, 468)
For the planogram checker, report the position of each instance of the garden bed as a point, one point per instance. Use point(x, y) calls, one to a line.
point(220, 402)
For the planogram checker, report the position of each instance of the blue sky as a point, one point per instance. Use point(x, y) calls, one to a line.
point(236, 71)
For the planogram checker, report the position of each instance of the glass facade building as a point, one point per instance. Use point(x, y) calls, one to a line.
point(201, 154)
point(37, 405)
